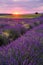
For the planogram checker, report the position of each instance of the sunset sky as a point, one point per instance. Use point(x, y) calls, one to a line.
point(21, 6)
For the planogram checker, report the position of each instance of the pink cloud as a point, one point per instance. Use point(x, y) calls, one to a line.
point(39, 9)
point(21, 10)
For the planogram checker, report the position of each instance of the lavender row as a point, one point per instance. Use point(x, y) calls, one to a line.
point(20, 28)
point(27, 50)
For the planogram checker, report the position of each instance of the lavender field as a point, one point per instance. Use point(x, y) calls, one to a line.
point(21, 41)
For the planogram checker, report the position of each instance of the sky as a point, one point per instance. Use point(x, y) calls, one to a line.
point(21, 6)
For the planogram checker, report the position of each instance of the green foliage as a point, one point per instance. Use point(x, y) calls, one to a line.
point(23, 31)
point(36, 23)
point(3, 40)
point(13, 34)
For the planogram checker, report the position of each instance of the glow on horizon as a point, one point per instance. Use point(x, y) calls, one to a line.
point(19, 10)
point(16, 13)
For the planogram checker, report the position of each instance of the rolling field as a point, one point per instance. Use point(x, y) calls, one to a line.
point(20, 16)
point(21, 39)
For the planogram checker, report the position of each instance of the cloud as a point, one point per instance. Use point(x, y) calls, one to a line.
point(21, 5)
point(39, 9)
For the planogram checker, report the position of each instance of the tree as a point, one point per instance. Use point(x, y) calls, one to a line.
point(36, 12)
